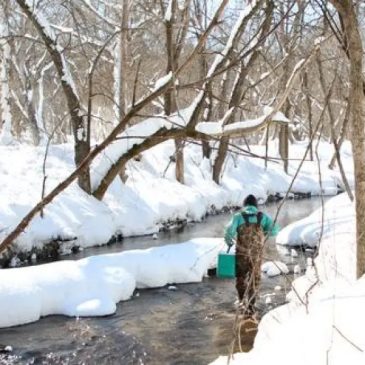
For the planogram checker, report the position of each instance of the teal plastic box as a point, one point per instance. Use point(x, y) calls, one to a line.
point(226, 266)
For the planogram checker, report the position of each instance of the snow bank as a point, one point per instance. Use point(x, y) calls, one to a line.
point(338, 217)
point(324, 320)
point(92, 286)
point(151, 195)
point(331, 332)
point(274, 268)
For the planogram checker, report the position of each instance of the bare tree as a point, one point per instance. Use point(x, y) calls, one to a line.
point(175, 39)
point(82, 147)
point(238, 88)
point(346, 11)
point(6, 117)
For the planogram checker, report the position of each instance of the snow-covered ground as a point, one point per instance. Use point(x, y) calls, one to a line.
point(324, 321)
point(151, 195)
point(329, 325)
point(92, 286)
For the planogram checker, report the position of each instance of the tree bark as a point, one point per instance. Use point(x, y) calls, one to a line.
point(122, 45)
point(170, 104)
point(284, 139)
point(310, 114)
point(347, 13)
point(157, 138)
point(5, 116)
point(284, 146)
point(32, 118)
point(208, 112)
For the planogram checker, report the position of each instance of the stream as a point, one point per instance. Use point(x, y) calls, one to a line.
point(186, 324)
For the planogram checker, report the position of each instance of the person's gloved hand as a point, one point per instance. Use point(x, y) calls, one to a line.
point(229, 240)
point(229, 243)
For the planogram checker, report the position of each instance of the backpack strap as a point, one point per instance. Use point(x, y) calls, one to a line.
point(259, 218)
point(246, 217)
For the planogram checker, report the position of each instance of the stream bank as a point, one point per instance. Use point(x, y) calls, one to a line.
point(181, 324)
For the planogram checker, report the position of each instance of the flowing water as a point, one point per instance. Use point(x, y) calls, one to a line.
point(187, 324)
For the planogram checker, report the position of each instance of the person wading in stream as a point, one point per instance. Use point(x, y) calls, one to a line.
point(248, 228)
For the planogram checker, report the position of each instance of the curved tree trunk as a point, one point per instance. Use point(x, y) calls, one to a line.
point(153, 140)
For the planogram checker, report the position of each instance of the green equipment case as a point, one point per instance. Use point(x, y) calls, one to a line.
point(226, 266)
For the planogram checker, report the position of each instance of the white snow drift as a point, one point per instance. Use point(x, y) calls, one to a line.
point(151, 194)
point(92, 286)
point(324, 320)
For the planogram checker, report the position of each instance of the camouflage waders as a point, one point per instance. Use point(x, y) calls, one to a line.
point(250, 238)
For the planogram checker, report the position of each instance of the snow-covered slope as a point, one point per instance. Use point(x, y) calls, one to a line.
point(324, 320)
point(150, 196)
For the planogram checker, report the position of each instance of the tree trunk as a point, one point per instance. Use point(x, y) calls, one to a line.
point(355, 50)
point(153, 140)
point(124, 60)
point(6, 119)
point(310, 114)
point(284, 146)
point(207, 150)
point(170, 105)
point(208, 111)
point(267, 134)
point(82, 147)
point(120, 73)
point(179, 156)
point(219, 160)
point(284, 129)
point(32, 118)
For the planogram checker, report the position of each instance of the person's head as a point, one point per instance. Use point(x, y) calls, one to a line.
point(250, 200)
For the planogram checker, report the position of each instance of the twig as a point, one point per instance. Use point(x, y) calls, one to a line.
point(347, 339)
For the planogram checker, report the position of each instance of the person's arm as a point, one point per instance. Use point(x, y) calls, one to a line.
point(231, 230)
point(269, 227)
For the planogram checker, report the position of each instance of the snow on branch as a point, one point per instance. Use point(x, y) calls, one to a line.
point(113, 135)
point(245, 14)
point(162, 81)
point(168, 13)
point(218, 129)
point(270, 114)
point(221, 58)
point(41, 20)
